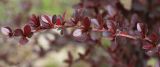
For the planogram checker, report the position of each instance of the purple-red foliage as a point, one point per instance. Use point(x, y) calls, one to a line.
point(133, 33)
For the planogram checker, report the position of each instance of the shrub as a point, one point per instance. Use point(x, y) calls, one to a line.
point(133, 32)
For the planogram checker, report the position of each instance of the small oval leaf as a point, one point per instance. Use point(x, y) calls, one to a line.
point(18, 32)
point(6, 31)
point(23, 40)
point(58, 21)
point(77, 33)
point(139, 27)
point(45, 18)
point(27, 30)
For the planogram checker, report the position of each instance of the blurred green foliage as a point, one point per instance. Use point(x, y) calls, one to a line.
point(50, 7)
point(55, 6)
point(152, 62)
point(105, 42)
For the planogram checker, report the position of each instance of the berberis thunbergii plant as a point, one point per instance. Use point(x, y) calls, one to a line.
point(134, 32)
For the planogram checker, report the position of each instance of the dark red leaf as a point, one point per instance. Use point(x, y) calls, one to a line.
point(18, 32)
point(154, 37)
point(23, 40)
point(147, 47)
point(27, 30)
point(86, 22)
point(46, 19)
point(142, 28)
point(35, 20)
point(58, 21)
point(74, 21)
point(54, 17)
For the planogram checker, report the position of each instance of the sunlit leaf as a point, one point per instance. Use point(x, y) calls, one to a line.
point(45, 19)
point(95, 23)
point(6, 31)
point(111, 10)
point(77, 33)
